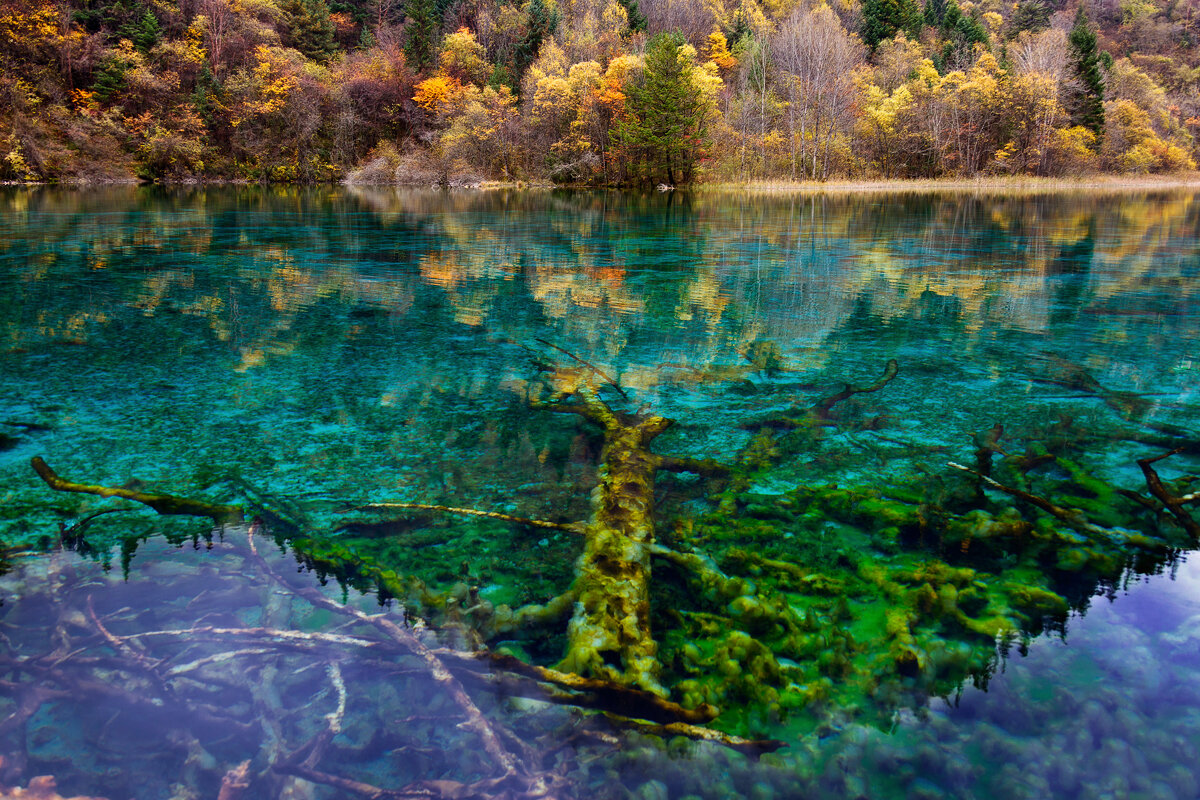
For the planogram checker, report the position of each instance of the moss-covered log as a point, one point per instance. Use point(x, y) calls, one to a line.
point(609, 635)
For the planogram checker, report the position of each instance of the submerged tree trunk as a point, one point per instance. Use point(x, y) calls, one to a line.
point(609, 634)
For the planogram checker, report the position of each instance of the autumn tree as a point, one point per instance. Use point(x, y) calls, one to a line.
point(754, 113)
point(232, 32)
point(694, 19)
point(486, 134)
point(1030, 115)
point(375, 92)
point(279, 110)
point(818, 58)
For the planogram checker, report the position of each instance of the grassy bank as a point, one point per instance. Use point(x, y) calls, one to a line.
point(989, 185)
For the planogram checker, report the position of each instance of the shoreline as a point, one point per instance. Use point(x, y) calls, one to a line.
point(989, 184)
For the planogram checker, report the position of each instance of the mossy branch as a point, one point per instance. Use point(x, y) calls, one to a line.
point(706, 467)
point(554, 610)
point(747, 747)
point(601, 695)
point(167, 504)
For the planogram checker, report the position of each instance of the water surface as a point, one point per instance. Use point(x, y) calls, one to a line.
point(312, 351)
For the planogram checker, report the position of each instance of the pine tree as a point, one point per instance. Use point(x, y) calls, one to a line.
point(1029, 15)
point(961, 33)
point(637, 20)
point(421, 32)
point(935, 11)
point(1087, 104)
point(144, 32)
point(883, 19)
point(664, 132)
point(741, 32)
point(541, 23)
point(310, 28)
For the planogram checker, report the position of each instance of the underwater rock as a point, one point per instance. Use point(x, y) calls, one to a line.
point(652, 790)
point(43, 787)
point(1183, 781)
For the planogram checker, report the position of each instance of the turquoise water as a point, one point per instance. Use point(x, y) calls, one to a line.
point(311, 351)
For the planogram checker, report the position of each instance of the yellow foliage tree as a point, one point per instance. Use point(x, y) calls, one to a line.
point(486, 134)
point(1131, 144)
point(440, 95)
point(716, 51)
point(463, 58)
point(1030, 112)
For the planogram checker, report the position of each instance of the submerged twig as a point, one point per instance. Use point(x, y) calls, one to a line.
point(608, 378)
point(1069, 516)
point(572, 527)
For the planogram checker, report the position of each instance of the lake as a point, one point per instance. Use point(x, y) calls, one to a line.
point(921, 526)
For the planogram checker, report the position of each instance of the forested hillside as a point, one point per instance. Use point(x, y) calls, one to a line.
point(595, 91)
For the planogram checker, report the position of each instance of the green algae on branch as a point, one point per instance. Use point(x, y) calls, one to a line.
point(168, 504)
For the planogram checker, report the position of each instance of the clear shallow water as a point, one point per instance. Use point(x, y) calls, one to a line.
point(324, 349)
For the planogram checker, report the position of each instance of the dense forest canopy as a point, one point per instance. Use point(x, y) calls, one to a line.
point(594, 91)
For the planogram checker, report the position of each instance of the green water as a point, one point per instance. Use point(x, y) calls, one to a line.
point(307, 352)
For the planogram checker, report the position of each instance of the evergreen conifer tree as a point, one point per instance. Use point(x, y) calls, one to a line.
point(664, 133)
point(883, 19)
point(637, 20)
point(144, 32)
point(1087, 104)
point(541, 23)
point(961, 33)
point(935, 11)
point(1029, 15)
point(421, 33)
point(310, 28)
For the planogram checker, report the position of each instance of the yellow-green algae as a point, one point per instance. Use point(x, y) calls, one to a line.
point(793, 611)
point(797, 610)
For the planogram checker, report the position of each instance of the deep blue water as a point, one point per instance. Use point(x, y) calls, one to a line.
point(321, 349)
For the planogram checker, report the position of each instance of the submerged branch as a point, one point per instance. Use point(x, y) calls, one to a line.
point(167, 504)
point(706, 467)
point(608, 378)
point(822, 407)
point(474, 720)
point(603, 695)
point(1069, 516)
point(748, 747)
point(1174, 504)
point(571, 527)
point(818, 414)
